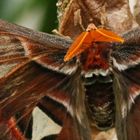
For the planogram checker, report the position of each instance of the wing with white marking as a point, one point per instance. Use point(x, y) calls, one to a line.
point(126, 70)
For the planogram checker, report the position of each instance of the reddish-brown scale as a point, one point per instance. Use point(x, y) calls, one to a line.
point(96, 57)
point(10, 131)
point(15, 132)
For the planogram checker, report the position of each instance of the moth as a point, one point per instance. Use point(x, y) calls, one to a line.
point(97, 83)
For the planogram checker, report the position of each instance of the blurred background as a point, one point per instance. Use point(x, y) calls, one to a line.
point(35, 14)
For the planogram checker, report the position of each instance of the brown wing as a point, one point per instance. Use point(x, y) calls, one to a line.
point(71, 114)
point(35, 70)
point(126, 69)
point(18, 44)
point(24, 88)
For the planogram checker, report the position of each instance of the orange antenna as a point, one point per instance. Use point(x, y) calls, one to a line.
point(85, 39)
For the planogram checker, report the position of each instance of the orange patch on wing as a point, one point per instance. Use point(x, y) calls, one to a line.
point(85, 40)
point(77, 46)
point(102, 35)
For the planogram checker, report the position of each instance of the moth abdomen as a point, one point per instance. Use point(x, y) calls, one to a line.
point(100, 104)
